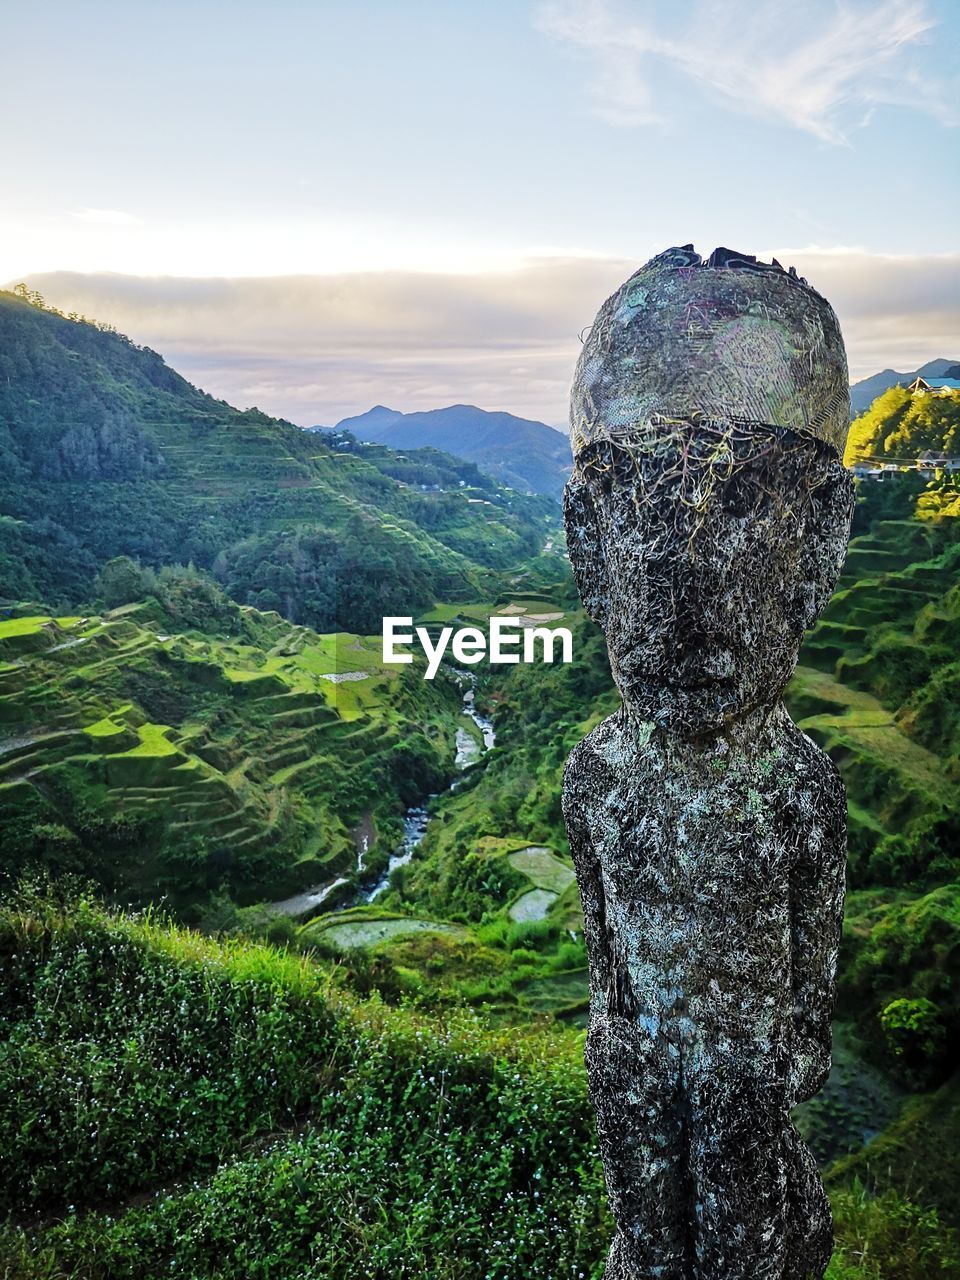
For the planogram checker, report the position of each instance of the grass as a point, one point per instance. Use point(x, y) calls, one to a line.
point(290, 762)
point(104, 728)
point(916, 1156)
point(10, 627)
point(532, 905)
point(312, 1134)
point(224, 1109)
point(371, 932)
point(541, 866)
point(153, 741)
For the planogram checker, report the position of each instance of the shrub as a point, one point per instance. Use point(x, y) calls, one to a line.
point(914, 1034)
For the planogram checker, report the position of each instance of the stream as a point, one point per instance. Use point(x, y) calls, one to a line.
point(415, 819)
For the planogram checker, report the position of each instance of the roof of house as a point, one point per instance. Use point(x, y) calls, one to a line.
point(935, 384)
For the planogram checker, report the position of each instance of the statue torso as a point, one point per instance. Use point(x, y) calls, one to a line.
point(693, 848)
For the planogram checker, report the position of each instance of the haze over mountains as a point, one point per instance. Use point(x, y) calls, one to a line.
point(107, 451)
point(519, 452)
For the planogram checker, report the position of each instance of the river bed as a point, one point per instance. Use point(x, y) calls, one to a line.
point(309, 900)
point(415, 820)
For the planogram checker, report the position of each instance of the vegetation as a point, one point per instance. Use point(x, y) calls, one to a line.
point(175, 1104)
point(105, 451)
point(399, 1090)
point(901, 426)
point(320, 1136)
point(187, 747)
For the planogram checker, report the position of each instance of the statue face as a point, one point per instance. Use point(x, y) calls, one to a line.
point(705, 557)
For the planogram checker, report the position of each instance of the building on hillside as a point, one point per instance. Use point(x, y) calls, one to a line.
point(930, 461)
point(927, 463)
point(934, 386)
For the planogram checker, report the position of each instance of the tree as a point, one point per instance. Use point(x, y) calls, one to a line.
point(122, 580)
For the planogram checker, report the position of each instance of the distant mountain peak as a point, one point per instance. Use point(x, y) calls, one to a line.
point(864, 392)
point(520, 452)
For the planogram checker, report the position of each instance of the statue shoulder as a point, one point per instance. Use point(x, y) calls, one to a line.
point(816, 779)
point(592, 757)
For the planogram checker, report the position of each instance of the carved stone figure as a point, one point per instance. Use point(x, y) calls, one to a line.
point(707, 520)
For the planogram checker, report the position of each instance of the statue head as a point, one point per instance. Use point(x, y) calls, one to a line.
point(709, 509)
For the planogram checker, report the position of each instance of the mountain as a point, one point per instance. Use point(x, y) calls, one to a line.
point(106, 451)
point(526, 455)
point(864, 392)
point(365, 425)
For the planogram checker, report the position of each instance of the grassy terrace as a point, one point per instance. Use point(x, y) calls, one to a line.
point(358, 1139)
point(243, 756)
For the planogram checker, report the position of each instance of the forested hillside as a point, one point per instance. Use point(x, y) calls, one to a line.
point(105, 451)
point(901, 426)
point(526, 455)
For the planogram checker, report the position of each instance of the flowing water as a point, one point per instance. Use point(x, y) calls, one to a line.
point(415, 819)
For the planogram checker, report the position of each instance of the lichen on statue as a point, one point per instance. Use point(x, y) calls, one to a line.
point(706, 529)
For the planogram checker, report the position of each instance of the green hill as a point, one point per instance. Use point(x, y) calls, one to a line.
point(877, 688)
point(527, 455)
point(177, 1106)
point(105, 451)
point(173, 754)
point(900, 426)
point(172, 1104)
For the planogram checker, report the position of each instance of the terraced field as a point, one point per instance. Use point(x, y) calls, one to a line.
point(345, 931)
point(174, 761)
point(547, 873)
point(861, 690)
point(889, 576)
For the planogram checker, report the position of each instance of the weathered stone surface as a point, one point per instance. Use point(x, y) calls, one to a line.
point(708, 832)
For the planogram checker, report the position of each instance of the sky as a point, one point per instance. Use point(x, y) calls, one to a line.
point(316, 206)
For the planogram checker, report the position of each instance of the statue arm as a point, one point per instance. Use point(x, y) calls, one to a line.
point(590, 885)
point(816, 905)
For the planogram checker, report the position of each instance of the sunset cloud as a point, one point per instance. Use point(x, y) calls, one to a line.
point(319, 348)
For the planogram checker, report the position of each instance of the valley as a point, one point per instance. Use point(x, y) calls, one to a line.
point(293, 966)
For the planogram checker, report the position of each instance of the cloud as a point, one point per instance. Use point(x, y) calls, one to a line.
point(106, 217)
point(319, 348)
point(819, 67)
point(896, 310)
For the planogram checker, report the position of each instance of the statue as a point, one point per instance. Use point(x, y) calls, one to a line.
point(707, 520)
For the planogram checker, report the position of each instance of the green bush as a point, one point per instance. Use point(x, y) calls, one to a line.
point(138, 1052)
point(120, 1064)
point(915, 1034)
point(890, 1238)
